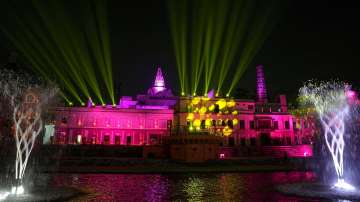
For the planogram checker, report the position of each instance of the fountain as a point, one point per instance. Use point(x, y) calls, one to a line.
point(332, 102)
point(24, 102)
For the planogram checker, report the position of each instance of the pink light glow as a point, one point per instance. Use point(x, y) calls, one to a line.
point(222, 155)
point(350, 93)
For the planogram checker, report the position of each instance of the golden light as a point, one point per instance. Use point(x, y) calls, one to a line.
point(211, 107)
point(221, 103)
point(191, 128)
point(208, 123)
point(235, 121)
point(227, 131)
point(234, 112)
point(197, 123)
point(202, 110)
point(231, 103)
point(190, 116)
point(205, 98)
point(195, 101)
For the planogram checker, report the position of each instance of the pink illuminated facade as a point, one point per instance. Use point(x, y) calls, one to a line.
point(121, 126)
point(151, 117)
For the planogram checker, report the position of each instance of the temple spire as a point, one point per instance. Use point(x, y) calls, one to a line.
point(159, 83)
point(159, 79)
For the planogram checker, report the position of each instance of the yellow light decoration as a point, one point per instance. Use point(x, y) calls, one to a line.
point(235, 121)
point(208, 123)
point(227, 131)
point(231, 103)
point(234, 112)
point(197, 123)
point(190, 116)
point(221, 103)
point(195, 101)
point(202, 110)
point(196, 109)
point(191, 128)
point(211, 107)
point(205, 98)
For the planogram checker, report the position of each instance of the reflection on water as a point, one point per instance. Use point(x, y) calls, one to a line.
point(184, 187)
point(194, 188)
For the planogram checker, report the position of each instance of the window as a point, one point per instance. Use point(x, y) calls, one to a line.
point(264, 124)
point(92, 139)
point(128, 140)
point(217, 109)
point(30, 98)
point(106, 139)
point(117, 139)
point(252, 124)
point(230, 124)
point(242, 124)
point(202, 124)
point(169, 124)
point(250, 107)
point(276, 125)
point(287, 125)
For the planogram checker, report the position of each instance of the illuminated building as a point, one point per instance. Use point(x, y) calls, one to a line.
point(143, 121)
point(149, 118)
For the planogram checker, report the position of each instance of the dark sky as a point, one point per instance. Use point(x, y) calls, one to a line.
point(313, 39)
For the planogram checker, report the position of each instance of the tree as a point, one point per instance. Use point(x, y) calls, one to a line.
point(24, 100)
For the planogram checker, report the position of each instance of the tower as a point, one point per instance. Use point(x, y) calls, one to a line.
point(159, 83)
point(260, 84)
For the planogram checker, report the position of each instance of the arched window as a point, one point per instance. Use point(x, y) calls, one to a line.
point(30, 98)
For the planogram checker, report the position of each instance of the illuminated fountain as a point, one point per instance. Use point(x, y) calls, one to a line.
point(332, 102)
point(26, 105)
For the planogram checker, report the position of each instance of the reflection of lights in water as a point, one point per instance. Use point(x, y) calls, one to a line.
point(4, 195)
point(341, 184)
point(17, 190)
point(194, 188)
point(14, 191)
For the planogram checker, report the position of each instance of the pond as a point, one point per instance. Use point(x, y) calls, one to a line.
point(246, 187)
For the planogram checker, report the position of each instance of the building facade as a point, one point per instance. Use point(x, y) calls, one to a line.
point(150, 118)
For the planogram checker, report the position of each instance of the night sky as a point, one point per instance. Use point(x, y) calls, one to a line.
point(313, 39)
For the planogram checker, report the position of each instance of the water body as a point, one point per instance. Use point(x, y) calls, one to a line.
point(217, 187)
